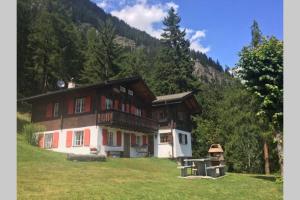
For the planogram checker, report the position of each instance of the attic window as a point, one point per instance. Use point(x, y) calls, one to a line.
point(130, 92)
point(122, 89)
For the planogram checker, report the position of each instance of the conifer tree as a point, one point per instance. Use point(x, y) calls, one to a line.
point(256, 34)
point(174, 64)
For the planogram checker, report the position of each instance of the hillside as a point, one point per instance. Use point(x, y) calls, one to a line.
point(42, 174)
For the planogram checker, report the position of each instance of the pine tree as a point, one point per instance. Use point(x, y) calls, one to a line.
point(256, 34)
point(174, 65)
point(103, 55)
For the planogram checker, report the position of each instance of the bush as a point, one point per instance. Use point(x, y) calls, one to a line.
point(30, 130)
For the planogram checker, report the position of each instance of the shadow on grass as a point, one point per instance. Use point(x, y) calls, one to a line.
point(265, 177)
point(20, 124)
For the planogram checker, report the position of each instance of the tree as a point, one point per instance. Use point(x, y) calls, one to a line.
point(174, 64)
point(256, 34)
point(261, 68)
point(103, 55)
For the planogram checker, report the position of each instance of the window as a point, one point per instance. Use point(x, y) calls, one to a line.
point(56, 109)
point(108, 104)
point(78, 138)
point(122, 89)
point(162, 115)
point(130, 92)
point(183, 139)
point(138, 140)
point(138, 112)
point(166, 138)
point(79, 105)
point(48, 140)
point(110, 141)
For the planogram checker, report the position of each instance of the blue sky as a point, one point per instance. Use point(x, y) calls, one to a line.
point(219, 28)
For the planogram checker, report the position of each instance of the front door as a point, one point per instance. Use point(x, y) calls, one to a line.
point(126, 145)
point(151, 145)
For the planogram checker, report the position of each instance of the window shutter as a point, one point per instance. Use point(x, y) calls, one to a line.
point(87, 106)
point(119, 138)
point(144, 139)
point(133, 109)
point(104, 136)
point(49, 110)
point(55, 138)
point(186, 141)
point(87, 136)
point(133, 139)
point(103, 103)
point(41, 140)
point(70, 104)
point(69, 138)
point(116, 106)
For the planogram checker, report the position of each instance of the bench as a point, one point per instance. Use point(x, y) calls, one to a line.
point(183, 169)
point(216, 171)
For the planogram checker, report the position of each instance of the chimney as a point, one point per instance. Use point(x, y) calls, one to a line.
point(71, 84)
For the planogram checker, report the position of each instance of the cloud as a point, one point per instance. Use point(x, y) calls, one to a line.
point(102, 4)
point(195, 39)
point(144, 16)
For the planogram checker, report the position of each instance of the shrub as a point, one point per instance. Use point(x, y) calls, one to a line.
point(30, 130)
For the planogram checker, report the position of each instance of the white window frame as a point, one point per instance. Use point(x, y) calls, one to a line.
point(184, 138)
point(122, 89)
point(138, 111)
point(78, 138)
point(56, 109)
point(48, 144)
point(130, 92)
point(79, 105)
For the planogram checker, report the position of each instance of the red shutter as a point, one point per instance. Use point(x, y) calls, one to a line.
point(103, 103)
point(55, 138)
point(41, 140)
point(69, 138)
point(87, 135)
point(116, 106)
point(144, 139)
point(119, 138)
point(70, 104)
point(87, 106)
point(49, 110)
point(133, 139)
point(133, 109)
point(104, 136)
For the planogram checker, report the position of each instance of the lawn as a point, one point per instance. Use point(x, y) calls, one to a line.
point(43, 174)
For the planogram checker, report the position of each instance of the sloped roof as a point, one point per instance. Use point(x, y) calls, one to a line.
point(136, 82)
point(215, 148)
point(171, 97)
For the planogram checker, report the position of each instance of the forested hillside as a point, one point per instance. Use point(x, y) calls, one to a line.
point(53, 39)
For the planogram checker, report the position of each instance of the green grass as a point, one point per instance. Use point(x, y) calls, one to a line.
point(43, 174)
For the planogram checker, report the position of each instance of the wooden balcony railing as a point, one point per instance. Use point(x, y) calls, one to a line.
point(127, 121)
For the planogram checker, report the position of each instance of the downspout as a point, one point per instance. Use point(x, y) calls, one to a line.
point(172, 125)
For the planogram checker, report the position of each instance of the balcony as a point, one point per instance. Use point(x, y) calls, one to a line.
point(127, 121)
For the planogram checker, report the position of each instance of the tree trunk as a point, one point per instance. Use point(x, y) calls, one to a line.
point(266, 158)
point(279, 140)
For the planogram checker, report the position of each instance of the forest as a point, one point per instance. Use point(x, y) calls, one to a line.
point(64, 39)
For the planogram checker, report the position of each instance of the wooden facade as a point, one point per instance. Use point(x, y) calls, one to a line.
point(123, 103)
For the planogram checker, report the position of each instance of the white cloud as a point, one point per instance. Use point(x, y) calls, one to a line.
point(172, 4)
point(195, 39)
point(144, 16)
point(102, 4)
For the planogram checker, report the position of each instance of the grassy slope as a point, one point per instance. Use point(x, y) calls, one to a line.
point(48, 175)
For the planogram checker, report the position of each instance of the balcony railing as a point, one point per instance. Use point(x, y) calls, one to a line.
point(127, 121)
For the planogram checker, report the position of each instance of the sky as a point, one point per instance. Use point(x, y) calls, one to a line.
point(219, 28)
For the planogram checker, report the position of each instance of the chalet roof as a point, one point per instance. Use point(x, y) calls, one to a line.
point(171, 97)
point(136, 82)
point(187, 98)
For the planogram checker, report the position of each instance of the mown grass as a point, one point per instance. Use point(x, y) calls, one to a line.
point(43, 174)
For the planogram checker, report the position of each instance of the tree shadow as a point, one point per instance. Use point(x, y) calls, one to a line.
point(21, 123)
point(265, 177)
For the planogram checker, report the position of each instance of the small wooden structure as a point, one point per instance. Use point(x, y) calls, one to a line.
point(216, 155)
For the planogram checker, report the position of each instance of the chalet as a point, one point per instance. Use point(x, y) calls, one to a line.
point(113, 118)
point(173, 113)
